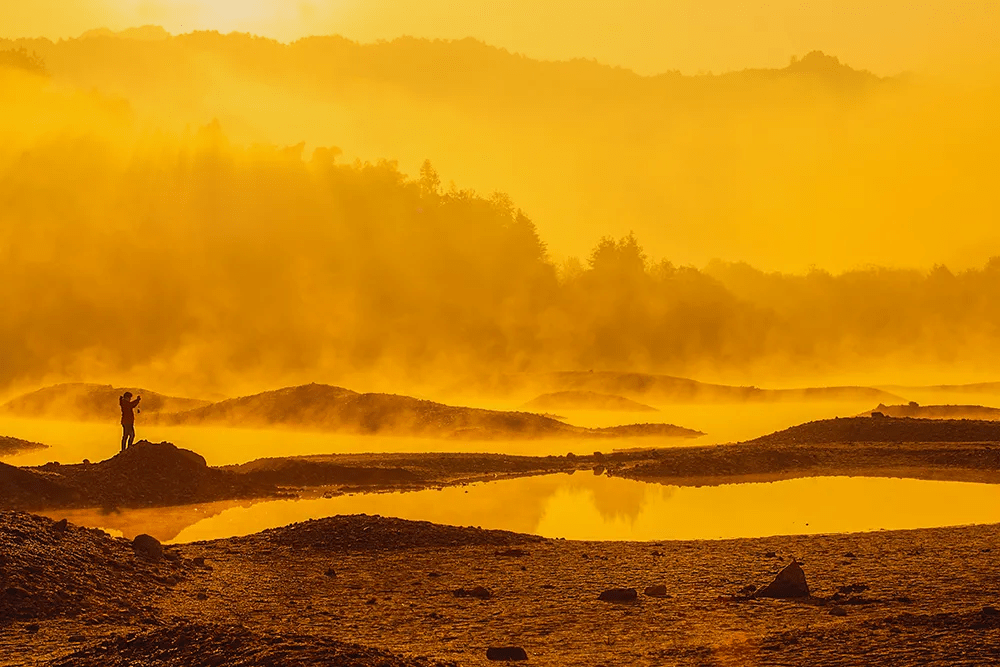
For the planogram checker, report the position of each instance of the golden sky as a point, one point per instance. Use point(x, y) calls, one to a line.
point(648, 36)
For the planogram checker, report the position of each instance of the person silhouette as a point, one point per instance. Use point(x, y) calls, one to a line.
point(128, 418)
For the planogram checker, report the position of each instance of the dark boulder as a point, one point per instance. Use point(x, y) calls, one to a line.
point(148, 547)
point(506, 653)
point(657, 591)
point(790, 583)
point(619, 595)
point(476, 592)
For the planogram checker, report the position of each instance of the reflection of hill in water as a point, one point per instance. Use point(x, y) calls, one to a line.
point(163, 523)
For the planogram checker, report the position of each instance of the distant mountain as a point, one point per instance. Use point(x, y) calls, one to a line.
point(146, 33)
point(669, 389)
point(585, 400)
point(328, 408)
point(976, 412)
point(91, 402)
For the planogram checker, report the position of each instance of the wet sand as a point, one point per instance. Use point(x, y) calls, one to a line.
point(908, 597)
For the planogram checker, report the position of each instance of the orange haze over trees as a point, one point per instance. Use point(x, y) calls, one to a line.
point(204, 263)
point(215, 211)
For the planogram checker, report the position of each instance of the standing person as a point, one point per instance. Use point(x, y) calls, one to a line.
point(128, 418)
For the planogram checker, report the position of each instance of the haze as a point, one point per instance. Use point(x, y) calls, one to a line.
point(216, 212)
point(648, 36)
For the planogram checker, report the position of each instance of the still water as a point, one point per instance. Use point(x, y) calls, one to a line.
point(589, 507)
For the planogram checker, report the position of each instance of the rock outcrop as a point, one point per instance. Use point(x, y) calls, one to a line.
point(790, 583)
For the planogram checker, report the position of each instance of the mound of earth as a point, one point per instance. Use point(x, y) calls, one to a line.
point(193, 644)
point(53, 569)
point(91, 402)
point(361, 532)
point(327, 408)
point(144, 475)
point(10, 446)
point(885, 429)
point(666, 388)
point(976, 412)
point(586, 400)
point(306, 471)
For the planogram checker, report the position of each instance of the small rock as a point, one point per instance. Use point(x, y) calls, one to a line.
point(60, 526)
point(476, 592)
point(199, 561)
point(770, 554)
point(330, 572)
point(657, 591)
point(990, 611)
point(850, 554)
point(76, 639)
point(32, 628)
point(619, 595)
point(513, 553)
point(838, 611)
point(370, 601)
point(506, 653)
point(790, 583)
point(148, 547)
point(202, 596)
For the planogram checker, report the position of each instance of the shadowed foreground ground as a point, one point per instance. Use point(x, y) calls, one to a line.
point(311, 592)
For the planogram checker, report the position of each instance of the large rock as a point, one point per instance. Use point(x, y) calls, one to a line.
point(506, 653)
point(148, 547)
point(619, 595)
point(790, 583)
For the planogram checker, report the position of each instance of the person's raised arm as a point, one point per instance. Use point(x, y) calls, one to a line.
point(136, 401)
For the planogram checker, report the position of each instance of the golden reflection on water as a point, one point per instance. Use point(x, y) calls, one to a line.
point(588, 507)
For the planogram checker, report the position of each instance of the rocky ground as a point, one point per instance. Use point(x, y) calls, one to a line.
point(372, 591)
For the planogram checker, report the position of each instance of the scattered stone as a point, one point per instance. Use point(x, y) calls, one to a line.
point(371, 601)
point(619, 595)
point(790, 583)
point(60, 526)
point(76, 639)
point(32, 628)
point(657, 591)
point(476, 592)
point(838, 611)
point(850, 554)
point(770, 554)
point(989, 610)
point(202, 596)
point(330, 572)
point(148, 547)
point(199, 561)
point(506, 653)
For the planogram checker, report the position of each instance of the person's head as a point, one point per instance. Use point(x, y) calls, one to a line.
point(127, 394)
